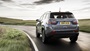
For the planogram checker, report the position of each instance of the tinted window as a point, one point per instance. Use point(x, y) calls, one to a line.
point(61, 15)
point(42, 17)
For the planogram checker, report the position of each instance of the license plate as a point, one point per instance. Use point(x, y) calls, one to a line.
point(64, 23)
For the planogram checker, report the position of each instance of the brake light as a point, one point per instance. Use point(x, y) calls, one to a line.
point(75, 22)
point(75, 30)
point(52, 22)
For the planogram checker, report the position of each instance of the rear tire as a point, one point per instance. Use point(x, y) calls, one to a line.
point(73, 39)
point(37, 34)
point(44, 38)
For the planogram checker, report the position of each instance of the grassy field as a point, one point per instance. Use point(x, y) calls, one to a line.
point(84, 25)
point(13, 40)
point(9, 21)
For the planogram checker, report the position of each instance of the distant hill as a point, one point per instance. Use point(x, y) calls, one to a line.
point(84, 25)
point(84, 19)
point(11, 21)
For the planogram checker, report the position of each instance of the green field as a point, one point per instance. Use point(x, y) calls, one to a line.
point(13, 40)
point(84, 25)
point(9, 21)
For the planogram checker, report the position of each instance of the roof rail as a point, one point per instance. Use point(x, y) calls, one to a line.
point(48, 11)
point(67, 11)
point(59, 9)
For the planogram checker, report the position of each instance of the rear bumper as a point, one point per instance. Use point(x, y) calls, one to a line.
point(59, 34)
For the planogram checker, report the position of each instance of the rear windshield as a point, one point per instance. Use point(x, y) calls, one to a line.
point(60, 15)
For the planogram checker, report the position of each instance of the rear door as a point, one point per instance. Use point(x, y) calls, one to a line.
point(64, 21)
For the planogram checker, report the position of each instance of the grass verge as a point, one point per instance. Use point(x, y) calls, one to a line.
point(84, 25)
point(10, 21)
point(13, 40)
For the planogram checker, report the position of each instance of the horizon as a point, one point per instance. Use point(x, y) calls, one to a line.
point(31, 19)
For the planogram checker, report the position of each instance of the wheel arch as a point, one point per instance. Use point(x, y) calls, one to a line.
point(43, 27)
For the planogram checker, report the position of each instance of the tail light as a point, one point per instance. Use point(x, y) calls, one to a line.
point(52, 22)
point(75, 22)
point(75, 30)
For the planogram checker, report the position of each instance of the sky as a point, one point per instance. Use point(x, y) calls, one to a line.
point(33, 9)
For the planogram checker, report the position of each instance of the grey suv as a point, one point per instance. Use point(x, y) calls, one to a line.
point(57, 25)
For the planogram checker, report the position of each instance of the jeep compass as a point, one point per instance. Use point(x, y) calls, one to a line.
point(57, 25)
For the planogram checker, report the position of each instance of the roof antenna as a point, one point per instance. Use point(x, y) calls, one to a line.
point(59, 9)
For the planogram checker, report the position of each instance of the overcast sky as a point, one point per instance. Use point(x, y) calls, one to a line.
point(33, 9)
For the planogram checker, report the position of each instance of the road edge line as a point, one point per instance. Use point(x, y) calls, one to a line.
point(34, 45)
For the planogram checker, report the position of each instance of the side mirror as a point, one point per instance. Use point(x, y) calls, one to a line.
point(37, 20)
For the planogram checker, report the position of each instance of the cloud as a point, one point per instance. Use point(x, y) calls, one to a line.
point(26, 4)
point(0, 3)
point(88, 4)
point(87, 8)
point(7, 0)
point(86, 1)
point(83, 9)
point(46, 1)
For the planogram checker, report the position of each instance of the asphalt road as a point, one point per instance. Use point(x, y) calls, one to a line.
point(83, 43)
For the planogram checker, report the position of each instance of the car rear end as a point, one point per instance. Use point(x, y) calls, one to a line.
point(62, 25)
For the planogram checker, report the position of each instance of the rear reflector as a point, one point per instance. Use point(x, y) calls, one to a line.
point(53, 32)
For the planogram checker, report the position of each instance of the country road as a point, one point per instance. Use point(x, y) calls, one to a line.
point(83, 43)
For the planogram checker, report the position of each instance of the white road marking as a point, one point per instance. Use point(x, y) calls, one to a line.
point(34, 45)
